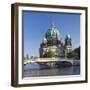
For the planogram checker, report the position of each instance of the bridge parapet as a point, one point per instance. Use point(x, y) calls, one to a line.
point(46, 60)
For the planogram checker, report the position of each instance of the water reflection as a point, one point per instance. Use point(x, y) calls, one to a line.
point(34, 70)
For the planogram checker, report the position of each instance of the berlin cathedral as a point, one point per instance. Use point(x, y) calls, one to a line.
point(52, 42)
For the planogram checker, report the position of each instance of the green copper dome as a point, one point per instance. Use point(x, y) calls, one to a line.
point(52, 32)
point(44, 40)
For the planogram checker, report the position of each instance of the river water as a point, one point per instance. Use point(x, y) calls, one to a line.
point(33, 70)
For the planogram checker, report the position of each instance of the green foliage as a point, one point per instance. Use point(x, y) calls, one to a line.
point(69, 55)
point(49, 54)
point(27, 56)
point(77, 53)
point(74, 54)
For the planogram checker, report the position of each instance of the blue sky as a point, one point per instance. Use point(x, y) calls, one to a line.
point(37, 23)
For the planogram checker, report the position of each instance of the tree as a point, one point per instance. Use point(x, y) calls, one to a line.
point(27, 56)
point(69, 55)
point(77, 51)
point(50, 54)
point(74, 54)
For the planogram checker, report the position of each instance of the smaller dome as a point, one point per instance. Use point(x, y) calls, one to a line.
point(44, 40)
point(68, 36)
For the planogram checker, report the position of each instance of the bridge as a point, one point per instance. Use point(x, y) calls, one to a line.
point(52, 60)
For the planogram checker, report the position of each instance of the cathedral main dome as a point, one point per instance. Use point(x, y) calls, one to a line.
point(52, 42)
point(53, 32)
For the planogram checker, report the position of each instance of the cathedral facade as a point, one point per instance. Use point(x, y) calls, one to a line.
point(52, 42)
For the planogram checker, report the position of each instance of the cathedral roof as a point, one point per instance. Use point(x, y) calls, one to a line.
point(53, 31)
point(68, 36)
point(44, 40)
